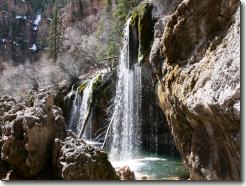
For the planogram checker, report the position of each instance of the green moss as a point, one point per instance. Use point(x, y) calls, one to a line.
point(134, 18)
point(97, 82)
point(82, 87)
point(141, 18)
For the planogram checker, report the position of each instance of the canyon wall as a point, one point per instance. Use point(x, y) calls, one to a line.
point(197, 64)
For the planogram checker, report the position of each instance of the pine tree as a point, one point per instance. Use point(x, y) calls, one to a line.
point(54, 39)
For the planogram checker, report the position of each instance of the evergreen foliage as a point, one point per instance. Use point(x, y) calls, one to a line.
point(123, 8)
point(116, 15)
point(40, 5)
point(54, 39)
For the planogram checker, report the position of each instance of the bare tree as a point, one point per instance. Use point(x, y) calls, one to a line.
point(31, 72)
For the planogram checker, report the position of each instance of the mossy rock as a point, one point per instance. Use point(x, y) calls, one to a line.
point(82, 87)
point(141, 19)
point(97, 82)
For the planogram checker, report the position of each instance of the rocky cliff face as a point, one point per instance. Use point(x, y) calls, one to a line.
point(24, 25)
point(20, 23)
point(192, 68)
point(16, 33)
point(197, 63)
point(80, 43)
point(23, 39)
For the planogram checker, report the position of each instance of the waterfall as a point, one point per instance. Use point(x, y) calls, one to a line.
point(75, 111)
point(126, 118)
point(87, 95)
point(80, 109)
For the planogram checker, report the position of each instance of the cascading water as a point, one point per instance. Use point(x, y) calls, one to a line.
point(80, 109)
point(75, 111)
point(126, 118)
point(124, 133)
point(87, 94)
point(125, 147)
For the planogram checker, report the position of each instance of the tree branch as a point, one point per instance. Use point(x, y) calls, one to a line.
point(105, 59)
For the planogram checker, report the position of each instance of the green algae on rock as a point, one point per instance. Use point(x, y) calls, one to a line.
point(143, 24)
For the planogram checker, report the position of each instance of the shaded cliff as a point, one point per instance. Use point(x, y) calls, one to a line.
point(23, 29)
point(156, 136)
point(24, 25)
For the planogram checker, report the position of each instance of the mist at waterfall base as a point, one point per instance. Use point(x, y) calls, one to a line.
point(124, 146)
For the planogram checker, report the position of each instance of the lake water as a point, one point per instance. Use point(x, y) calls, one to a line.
point(154, 167)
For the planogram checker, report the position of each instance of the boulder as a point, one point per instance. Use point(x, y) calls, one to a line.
point(74, 160)
point(125, 173)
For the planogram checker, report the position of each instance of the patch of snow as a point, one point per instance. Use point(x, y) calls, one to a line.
point(21, 17)
point(3, 40)
point(34, 47)
point(37, 20)
point(23, 1)
point(48, 18)
point(15, 43)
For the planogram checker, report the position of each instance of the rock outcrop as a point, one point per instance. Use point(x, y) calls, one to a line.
point(23, 29)
point(82, 9)
point(74, 160)
point(34, 137)
point(28, 132)
point(125, 173)
point(197, 63)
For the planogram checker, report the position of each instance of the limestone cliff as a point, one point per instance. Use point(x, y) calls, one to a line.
point(197, 64)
